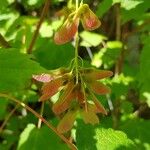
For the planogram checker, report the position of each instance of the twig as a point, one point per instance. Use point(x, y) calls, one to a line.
point(40, 117)
point(111, 107)
point(89, 52)
point(41, 113)
point(118, 22)
point(118, 36)
point(8, 117)
point(118, 67)
point(44, 12)
point(3, 42)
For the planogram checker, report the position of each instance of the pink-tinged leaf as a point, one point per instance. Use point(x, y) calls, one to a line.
point(66, 32)
point(90, 21)
point(94, 74)
point(64, 101)
point(89, 117)
point(67, 122)
point(99, 88)
point(51, 88)
point(99, 106)
point(43, 77)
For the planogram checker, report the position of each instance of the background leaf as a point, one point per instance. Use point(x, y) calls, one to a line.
point(36, 139)
point(98, 138)
point(16, 70)
point(137, 130)
point(52, 56)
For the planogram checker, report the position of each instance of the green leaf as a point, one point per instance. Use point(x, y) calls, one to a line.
point(53, 56)
point(145, 62)
point(10, 135)
point(132, 8)
point(33, 138)
point(126, 107)
point(144, 73)
point(16, 70)
point(108, 55)
point(130, 4)
point(91, 39)
point(138, 131)
point(3, 5)
point(120, 85)
point(3, 106)
point(103, 7)
point(99, 138)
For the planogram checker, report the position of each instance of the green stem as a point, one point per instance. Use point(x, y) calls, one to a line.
point(76, 56)
point(76, 50)
point(77, 4)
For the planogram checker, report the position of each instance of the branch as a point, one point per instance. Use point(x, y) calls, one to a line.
point(44, 12)
point(3, 42)
point(118, 36)
point(41, 113)
point(118, 21)
point(40, 117)
point(8, 117)
point(118, 66)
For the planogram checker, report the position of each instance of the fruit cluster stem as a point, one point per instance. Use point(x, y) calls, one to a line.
point(76, 49)
point(76, 56)
point(77, 4)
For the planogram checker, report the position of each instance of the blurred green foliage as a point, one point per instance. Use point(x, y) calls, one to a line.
point(127, 55)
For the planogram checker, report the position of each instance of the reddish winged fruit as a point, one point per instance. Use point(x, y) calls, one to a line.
point(89, 117)
point(51, 88)
point(66, 32)
point(95, 74)
point(63, 103)
point(89, 20)
point(67, 122)
point(99, 88)
point(74, 97)
point(98, 105)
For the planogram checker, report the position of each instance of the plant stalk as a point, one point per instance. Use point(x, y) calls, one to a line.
point(8, 117)
point(43, 14)
point(76, 57)
point(72, 146)
point(77, 4)
point(41, 113)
